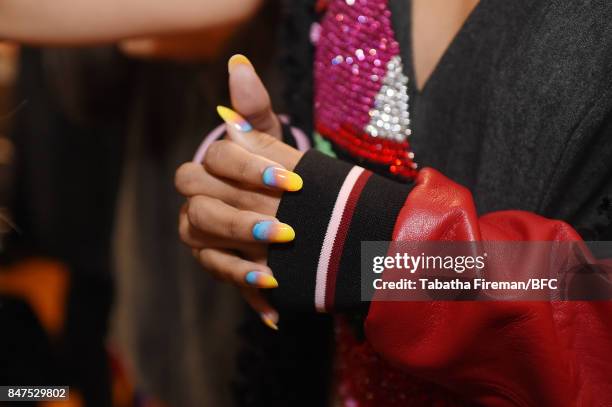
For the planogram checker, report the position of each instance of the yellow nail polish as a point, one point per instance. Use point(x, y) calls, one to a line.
point(269, 322)
point(232, 118)
point(237, 60)
point(260, 279)
point(281, 178)
point(274, 232)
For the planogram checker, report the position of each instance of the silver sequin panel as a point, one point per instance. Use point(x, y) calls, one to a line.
point(390, 117)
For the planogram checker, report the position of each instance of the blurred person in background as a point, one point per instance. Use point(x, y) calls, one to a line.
point(97, 141)
point(395, 52)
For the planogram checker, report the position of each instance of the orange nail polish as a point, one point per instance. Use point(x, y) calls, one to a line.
point(266, 319)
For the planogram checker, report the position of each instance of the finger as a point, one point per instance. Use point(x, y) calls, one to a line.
point(214, 217)
point(268, 315)
point(250, 97)
point(240, 131)
point(195, 239)
point(234, 269)
point(225, 158)
point(192, 179)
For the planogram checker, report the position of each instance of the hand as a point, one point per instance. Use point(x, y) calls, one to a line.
point(202, 45)
point(234, 194)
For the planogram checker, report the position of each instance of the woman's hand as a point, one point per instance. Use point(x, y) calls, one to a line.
point(233, 195)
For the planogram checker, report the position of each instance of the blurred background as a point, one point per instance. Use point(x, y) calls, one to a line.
point(96, 291)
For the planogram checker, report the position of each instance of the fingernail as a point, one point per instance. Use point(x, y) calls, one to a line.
point(237, 60)
point(270, 320)
point(234, 119)
point(260, 279)
point(275, 232)
point(281, 178)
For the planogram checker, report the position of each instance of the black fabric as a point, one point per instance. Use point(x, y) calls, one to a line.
point(288, 367)
point(518, 110)
point(373, 220)
point(287, 136)
point(296, 59)
point(292, 366)
point(323, 178)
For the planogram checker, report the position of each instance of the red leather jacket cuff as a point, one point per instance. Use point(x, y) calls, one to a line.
point(492, 353)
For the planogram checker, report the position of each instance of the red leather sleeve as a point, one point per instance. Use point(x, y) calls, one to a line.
point(493, 353)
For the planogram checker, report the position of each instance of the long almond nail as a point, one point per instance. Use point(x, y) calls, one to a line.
point(234, 119)
point(270, 320)
point(260, 279)
point(238, 60)
point(274, 232)
point(281, 178)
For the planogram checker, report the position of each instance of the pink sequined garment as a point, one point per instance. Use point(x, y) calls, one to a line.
point(361, 92)
point(361, 105)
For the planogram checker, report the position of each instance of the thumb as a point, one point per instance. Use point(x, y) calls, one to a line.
point(250, 97)
point(241, 132)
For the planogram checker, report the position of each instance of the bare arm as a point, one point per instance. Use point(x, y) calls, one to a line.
point(73, 22)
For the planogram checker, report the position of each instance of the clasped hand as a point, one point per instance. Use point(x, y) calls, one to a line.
point(232, 196)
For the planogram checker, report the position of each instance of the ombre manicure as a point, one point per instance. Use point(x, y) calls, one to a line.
point(269, 321)
point(238, 60)
point(260, 279)
point(283, 179)
point(274, 232)
point(234, 119)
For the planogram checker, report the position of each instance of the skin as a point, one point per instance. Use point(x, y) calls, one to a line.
point(237, 196)
point(204, 44)
point(435, 24)
point(77, 22)
point(225, 187)
point(225, 195)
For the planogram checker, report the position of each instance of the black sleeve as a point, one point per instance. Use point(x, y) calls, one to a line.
point(339, 206)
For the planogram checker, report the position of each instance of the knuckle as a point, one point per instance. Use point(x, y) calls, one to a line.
point(183, 230)
point(233, 227)
point(186, 177)
point(245, 168)
point(216, 152)
point(264, 142)
point(205, 258)
point(190, 237)
point(195, 212)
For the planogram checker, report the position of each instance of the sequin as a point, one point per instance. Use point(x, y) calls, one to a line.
point(315, 33)
point(361, 94)
point(366, 380)
point(338, 59)
point(390, 117)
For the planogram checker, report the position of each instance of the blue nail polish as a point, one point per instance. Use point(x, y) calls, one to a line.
point(261, 230)
point(274, 232)
point(260, 279)
point(251, 277)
